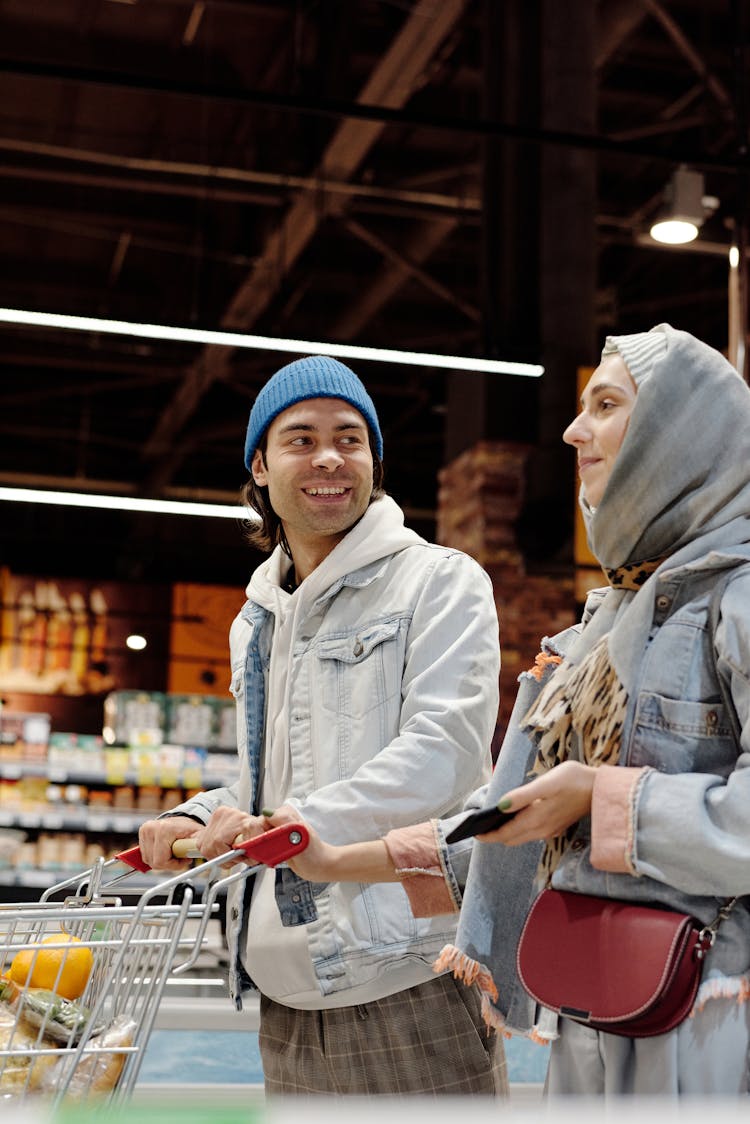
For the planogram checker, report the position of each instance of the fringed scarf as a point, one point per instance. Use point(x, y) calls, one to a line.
point(580, 713)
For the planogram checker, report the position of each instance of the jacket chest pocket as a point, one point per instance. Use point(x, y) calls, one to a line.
point(678, 736)
point(361, 671)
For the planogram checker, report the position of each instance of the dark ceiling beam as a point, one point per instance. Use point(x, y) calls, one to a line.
point(692, 54)
point(418, 247)
point(110, 229)
point(616, 22)
point(407, 265)
point(145, 378)
point(242, 7)
point(67, 436)
point(133, 185)
point(392, 83)
point(372, 112)
point(468, 171)
point(210, 174)
point(660, 128)
point(679, 105)
point(94, 222)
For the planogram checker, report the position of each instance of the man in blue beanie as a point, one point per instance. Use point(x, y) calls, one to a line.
point(365, 667)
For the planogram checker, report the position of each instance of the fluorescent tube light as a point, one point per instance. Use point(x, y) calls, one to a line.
point(126, 503)
point(267, 343)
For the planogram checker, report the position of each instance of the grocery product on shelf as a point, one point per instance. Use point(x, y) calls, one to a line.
point(134, 718)
point(75, 796)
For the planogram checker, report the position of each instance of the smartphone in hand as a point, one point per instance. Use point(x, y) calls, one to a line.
point(476, 823)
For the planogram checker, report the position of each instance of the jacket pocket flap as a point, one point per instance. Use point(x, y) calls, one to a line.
point(357, 646)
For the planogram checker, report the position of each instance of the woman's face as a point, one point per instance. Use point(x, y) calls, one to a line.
point(598, 431)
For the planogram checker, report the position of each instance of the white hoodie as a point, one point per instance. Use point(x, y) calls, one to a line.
point(277, 957)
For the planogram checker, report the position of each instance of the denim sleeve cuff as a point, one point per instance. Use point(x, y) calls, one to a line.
point(613, 818)
point(295, 898)
point(415, 854)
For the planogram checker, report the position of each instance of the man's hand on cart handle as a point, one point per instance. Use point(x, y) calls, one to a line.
point(156, 837)
point(270, 848)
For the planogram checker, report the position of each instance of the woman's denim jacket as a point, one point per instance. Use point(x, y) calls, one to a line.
point(394, 698)
point(691, 825)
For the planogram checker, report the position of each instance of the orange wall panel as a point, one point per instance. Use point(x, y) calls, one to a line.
point(199, 638)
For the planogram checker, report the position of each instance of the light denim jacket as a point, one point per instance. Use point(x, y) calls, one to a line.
point(691, 838)
point(394, 682)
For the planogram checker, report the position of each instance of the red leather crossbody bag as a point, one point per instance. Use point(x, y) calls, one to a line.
point(617, 966)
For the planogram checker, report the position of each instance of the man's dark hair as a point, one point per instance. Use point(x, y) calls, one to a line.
point(269, 532)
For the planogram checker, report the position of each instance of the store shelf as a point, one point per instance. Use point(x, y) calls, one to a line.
point(55, 774)
point(77, 819)
point(34, 879)
point(59, 816)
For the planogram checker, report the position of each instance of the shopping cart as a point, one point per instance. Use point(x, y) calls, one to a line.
point(103, 965)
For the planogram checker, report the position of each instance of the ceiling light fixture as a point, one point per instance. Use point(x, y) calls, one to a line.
point(684, 209)
point(126, 503)
point(267, 343)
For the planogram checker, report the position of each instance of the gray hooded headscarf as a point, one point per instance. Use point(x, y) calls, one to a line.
point(680, 486)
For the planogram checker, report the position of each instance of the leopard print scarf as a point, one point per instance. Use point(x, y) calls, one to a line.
point(580, 712)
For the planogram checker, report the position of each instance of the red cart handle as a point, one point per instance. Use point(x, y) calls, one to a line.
point(270, 848)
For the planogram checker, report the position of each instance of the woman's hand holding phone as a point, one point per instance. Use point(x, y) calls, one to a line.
point(477, 823)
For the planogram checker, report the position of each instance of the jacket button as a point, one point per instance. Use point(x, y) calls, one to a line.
point(662, 602)
point(358, 647)
point(235, 913)
point(296, 898)
point(712, 718)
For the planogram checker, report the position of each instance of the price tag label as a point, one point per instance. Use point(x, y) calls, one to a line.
point(57, 776)
point(53, 822)
point(97, 823)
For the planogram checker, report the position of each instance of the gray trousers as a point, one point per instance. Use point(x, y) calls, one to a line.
point(430, 1039)
point(707, 1055)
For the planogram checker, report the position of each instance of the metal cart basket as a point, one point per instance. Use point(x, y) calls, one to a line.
point(82, 973)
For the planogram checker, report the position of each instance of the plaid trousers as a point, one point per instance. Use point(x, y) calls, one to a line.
point(429, 1040)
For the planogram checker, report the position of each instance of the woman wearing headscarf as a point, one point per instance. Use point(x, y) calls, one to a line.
point(639, 791)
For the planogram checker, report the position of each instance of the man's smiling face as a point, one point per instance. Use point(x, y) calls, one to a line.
point(317, 468)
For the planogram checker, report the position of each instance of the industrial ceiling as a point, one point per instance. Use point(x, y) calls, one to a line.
point(377, 172)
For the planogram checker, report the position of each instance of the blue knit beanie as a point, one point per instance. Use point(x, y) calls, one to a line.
point(316, 376)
